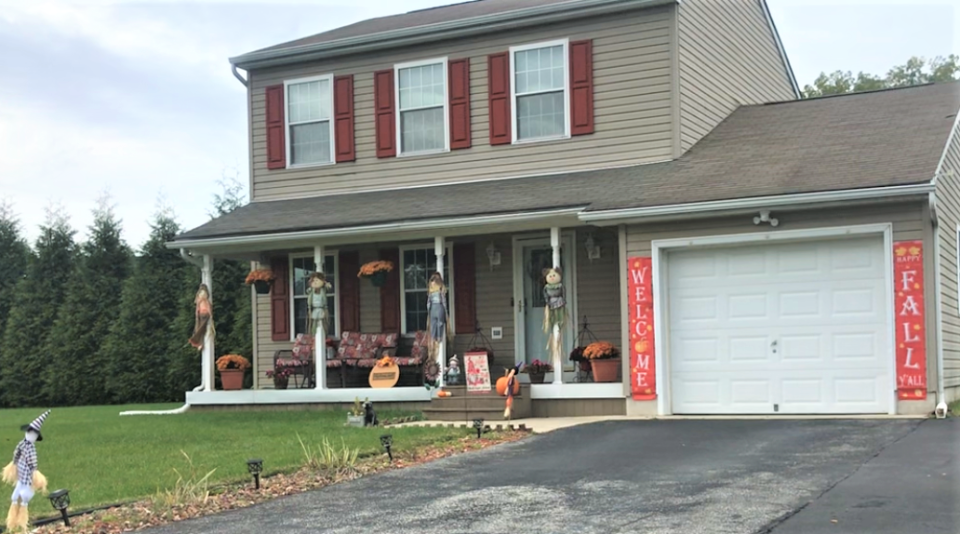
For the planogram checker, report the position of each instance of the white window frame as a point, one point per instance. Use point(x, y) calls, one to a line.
point(287, 126)
point(447, 262)
point(293, 296)
point(446, 106)
point(566, 90)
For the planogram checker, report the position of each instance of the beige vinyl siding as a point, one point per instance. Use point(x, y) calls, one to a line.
point(911, 221)
point(948, 214)
point(728, 56)
point(633, 111)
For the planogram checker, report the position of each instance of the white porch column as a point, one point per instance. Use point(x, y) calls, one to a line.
point(439, 248)
point(557, 339)
point(320, 336)
point(208, 353)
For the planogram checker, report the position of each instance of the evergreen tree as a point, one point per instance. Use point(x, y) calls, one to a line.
point(136, 350)
point(92, 306)
point(35, 303)
point(14, 254)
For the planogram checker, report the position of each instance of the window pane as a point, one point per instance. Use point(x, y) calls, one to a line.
point(422, 130)
point(541, 69)
point(332, 311)
point(302, 267)
point(330, 270)
point(418, 265)
point(540, 116)
point(422, 86)
point(309, 101)
point(310, 143)
point(300, 316)
point(416, 304)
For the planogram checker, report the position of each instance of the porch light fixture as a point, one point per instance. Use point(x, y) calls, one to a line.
point(493, 255)
point(387, 441)
point(478, 424)
point(593, 250)
point(255, 467)
point(60, 500)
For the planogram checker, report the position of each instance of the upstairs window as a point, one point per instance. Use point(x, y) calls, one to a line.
point(422, 100)
point(539, 83)
point(309, 126)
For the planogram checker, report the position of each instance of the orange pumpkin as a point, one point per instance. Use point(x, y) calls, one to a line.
point(502, 385)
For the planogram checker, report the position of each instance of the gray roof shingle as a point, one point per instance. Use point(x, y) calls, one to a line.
point(883, 138)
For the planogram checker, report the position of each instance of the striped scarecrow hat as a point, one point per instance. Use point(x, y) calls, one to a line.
point(36, 424)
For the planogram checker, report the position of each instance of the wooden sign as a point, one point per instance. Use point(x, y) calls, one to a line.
point(909, 318)
point(384, 377)
point(477, 372)
point(643, 359)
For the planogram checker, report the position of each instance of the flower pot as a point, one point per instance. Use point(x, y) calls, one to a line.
point(232, 379)
point(281, 383)
point(537, 378)
point(605, 370)
point(379, 278)
point(355, 420)
point(262, 287)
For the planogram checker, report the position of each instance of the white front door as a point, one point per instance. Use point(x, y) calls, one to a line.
point(532, 257)
point(786, 328)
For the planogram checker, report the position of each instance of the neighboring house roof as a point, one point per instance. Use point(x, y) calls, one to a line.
point(865, 140)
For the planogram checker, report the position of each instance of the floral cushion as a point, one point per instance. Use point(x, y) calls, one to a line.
point(354, 345)
point(407, 360)
point(365, 363)
point(331, 364)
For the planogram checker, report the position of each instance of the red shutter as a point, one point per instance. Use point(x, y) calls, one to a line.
point(498, 76)
point(390, 293)
point(385, 114)
point(349, 291)
point(459, 78)
point(581, 87)
point(465, 287)
point(280, 300)
point(276, 144)
point(343, 118)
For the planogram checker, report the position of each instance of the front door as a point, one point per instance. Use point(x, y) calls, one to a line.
point(535, 255)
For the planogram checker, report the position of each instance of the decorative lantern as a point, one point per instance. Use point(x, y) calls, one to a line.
point(478, 424)
point(387, 441)
point(60, 500)
point(255, 467)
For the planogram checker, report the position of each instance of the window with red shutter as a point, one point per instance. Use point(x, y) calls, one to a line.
point(498, 81)
point(465, 287)
point(385, 112)
point(343, 118)
point(349, 290)
point(280, 300)
point(581, 88)
point(459, 91)
point(276, 139)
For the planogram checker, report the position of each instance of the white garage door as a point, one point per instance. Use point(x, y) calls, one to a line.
point(798, 328)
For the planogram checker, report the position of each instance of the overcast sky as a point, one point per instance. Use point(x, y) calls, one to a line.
point(136, 99)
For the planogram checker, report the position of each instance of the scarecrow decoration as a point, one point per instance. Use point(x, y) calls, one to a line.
point(22, 473)
point(203, 317)
point(438, 323)
point(317, 287)
point(554, 313)
point(512, 386)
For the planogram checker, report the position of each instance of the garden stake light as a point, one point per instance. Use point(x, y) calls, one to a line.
point(255, 467)
point(60, 500)
point(478, 424)
point(387, 441)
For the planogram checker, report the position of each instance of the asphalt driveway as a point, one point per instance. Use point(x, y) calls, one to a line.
point(688, 477)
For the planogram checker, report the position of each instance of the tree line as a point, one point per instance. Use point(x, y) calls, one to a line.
point(916, 71)
point(94, 322)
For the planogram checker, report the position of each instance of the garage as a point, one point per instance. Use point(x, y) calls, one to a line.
point(798, 327)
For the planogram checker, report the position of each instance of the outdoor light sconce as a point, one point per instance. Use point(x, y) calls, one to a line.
point(60, 500)
point(478, 424)
point(255, 467)
point(593, 249)
point(493, 255)
point(764, 217)
point(387, 441)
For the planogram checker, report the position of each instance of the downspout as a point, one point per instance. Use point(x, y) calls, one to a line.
point(186, 406)
point(938, 297)
point(236, 74)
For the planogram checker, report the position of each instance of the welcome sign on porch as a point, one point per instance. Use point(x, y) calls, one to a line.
point(477, 372)
point(643, 378)
point(909, 316)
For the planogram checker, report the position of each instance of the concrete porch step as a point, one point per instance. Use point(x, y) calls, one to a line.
point(459, 414)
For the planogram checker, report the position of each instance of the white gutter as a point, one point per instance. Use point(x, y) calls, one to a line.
point(431, 33)
point(873, 193)
point(427, 224)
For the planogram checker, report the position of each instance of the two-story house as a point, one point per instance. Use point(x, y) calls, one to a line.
point(748, 252)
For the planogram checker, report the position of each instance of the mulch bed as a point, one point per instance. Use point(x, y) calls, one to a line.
point(147, 513)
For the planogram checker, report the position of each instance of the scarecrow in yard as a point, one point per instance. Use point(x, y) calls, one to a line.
point(511, 383)
point(554, 313)
point(438, 323)
point(22, 473)
point(203, 317)
point(317, 287)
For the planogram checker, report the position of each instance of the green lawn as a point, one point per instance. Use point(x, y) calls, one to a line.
point(103, 458)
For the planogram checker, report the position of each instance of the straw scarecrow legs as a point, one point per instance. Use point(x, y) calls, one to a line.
point(22, 473)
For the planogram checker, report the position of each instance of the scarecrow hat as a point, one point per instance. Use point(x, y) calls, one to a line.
point(36, 424)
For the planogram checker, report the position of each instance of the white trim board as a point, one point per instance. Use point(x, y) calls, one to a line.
point(661, 328)
point(306, 396)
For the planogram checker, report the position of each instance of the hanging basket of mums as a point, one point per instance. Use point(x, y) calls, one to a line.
point(376, 271)
point(260, 279)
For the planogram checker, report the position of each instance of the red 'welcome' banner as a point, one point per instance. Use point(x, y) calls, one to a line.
point(643, 376)
point(909, 316)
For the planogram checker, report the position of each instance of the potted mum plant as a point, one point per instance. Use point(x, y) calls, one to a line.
point(280, 374)
point(232, 368)
point(261, 280)
point(376, 271)
point(355, 415)
point(604, 359)
point(537, 370)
